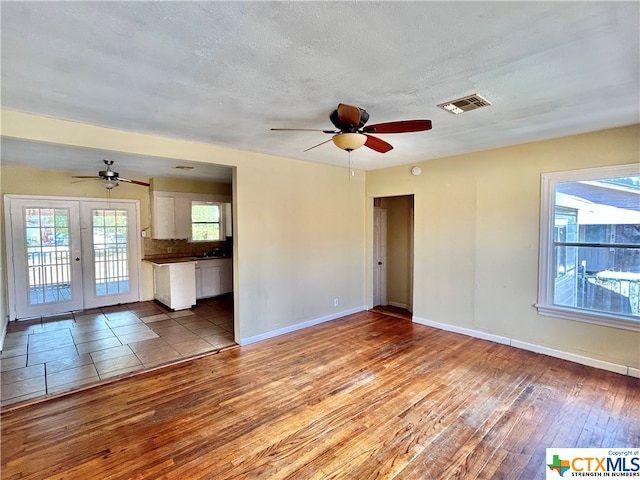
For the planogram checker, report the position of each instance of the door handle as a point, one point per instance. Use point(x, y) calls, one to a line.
point(77, 259)
point(379, 263)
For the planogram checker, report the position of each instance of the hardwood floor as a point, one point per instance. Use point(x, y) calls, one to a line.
point(365, 396)
point(393, 311)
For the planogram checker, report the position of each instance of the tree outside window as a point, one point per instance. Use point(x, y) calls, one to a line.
point(205, 222)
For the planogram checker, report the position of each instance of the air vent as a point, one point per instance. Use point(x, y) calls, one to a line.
point(465, 104)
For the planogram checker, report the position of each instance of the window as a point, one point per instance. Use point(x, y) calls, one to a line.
point(206, 221)
point(590, 246)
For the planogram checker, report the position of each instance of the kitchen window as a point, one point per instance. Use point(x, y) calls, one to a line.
point(206, 221)
point(590, 246)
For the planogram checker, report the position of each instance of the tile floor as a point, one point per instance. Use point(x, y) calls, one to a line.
point(51, 355)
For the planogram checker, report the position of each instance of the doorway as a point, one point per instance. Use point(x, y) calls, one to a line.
point(393, 253)
point(70, 254)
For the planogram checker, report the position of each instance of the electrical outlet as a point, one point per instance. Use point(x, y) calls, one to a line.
point(169, 250)
point(335, 302)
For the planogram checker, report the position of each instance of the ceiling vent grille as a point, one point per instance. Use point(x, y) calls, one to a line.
point(465, 104)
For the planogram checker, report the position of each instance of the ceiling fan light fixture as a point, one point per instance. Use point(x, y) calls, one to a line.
point(110, 183)
point(349, 141)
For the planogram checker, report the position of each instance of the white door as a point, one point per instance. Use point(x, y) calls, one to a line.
point(109, 243)
point(411, 259)
point(379, 256)
point(46, 257)
point(66, 255)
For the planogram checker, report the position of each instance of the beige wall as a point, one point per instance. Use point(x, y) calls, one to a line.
point(299, 235)
point(160, 184)
point(477, 236)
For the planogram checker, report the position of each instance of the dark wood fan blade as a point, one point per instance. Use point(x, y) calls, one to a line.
point(377, 144)
point(304, 130)
point(144, 184)
point(349, 115)
point(403, 126)
point(322, 143)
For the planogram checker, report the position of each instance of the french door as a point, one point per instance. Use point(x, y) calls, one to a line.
point(68, 254)
point(110, 246)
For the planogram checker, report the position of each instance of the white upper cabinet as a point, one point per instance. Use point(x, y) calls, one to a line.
point(170, 217)
point(182, 210)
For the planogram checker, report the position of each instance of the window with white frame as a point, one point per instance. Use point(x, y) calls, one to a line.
point(206, 221)
point(590, 246)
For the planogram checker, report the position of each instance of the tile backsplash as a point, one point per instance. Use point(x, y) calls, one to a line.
point(153, 248)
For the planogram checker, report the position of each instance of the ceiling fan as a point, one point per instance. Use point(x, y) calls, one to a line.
point(110, 178)
point(352, 133)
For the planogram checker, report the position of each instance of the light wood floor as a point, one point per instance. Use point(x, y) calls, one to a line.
point(365, 396)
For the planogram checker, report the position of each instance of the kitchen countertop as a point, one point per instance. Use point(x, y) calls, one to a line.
point(165, 261)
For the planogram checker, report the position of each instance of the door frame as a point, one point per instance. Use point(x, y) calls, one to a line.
point(372, 205)
point(136, 247)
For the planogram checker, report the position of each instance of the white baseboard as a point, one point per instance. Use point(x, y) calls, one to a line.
point(572, 357)
point(299, 326)
point(463, 331)
point(552, 352)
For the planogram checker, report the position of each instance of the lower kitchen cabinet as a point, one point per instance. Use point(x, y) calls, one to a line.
point(214, 277)
point(174, 284)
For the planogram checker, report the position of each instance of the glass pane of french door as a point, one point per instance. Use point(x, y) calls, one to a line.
point(109, 230)
point(48, 255)
point(110, 234)
point(46, 247)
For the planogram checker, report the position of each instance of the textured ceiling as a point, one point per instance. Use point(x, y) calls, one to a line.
point(225, 72)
